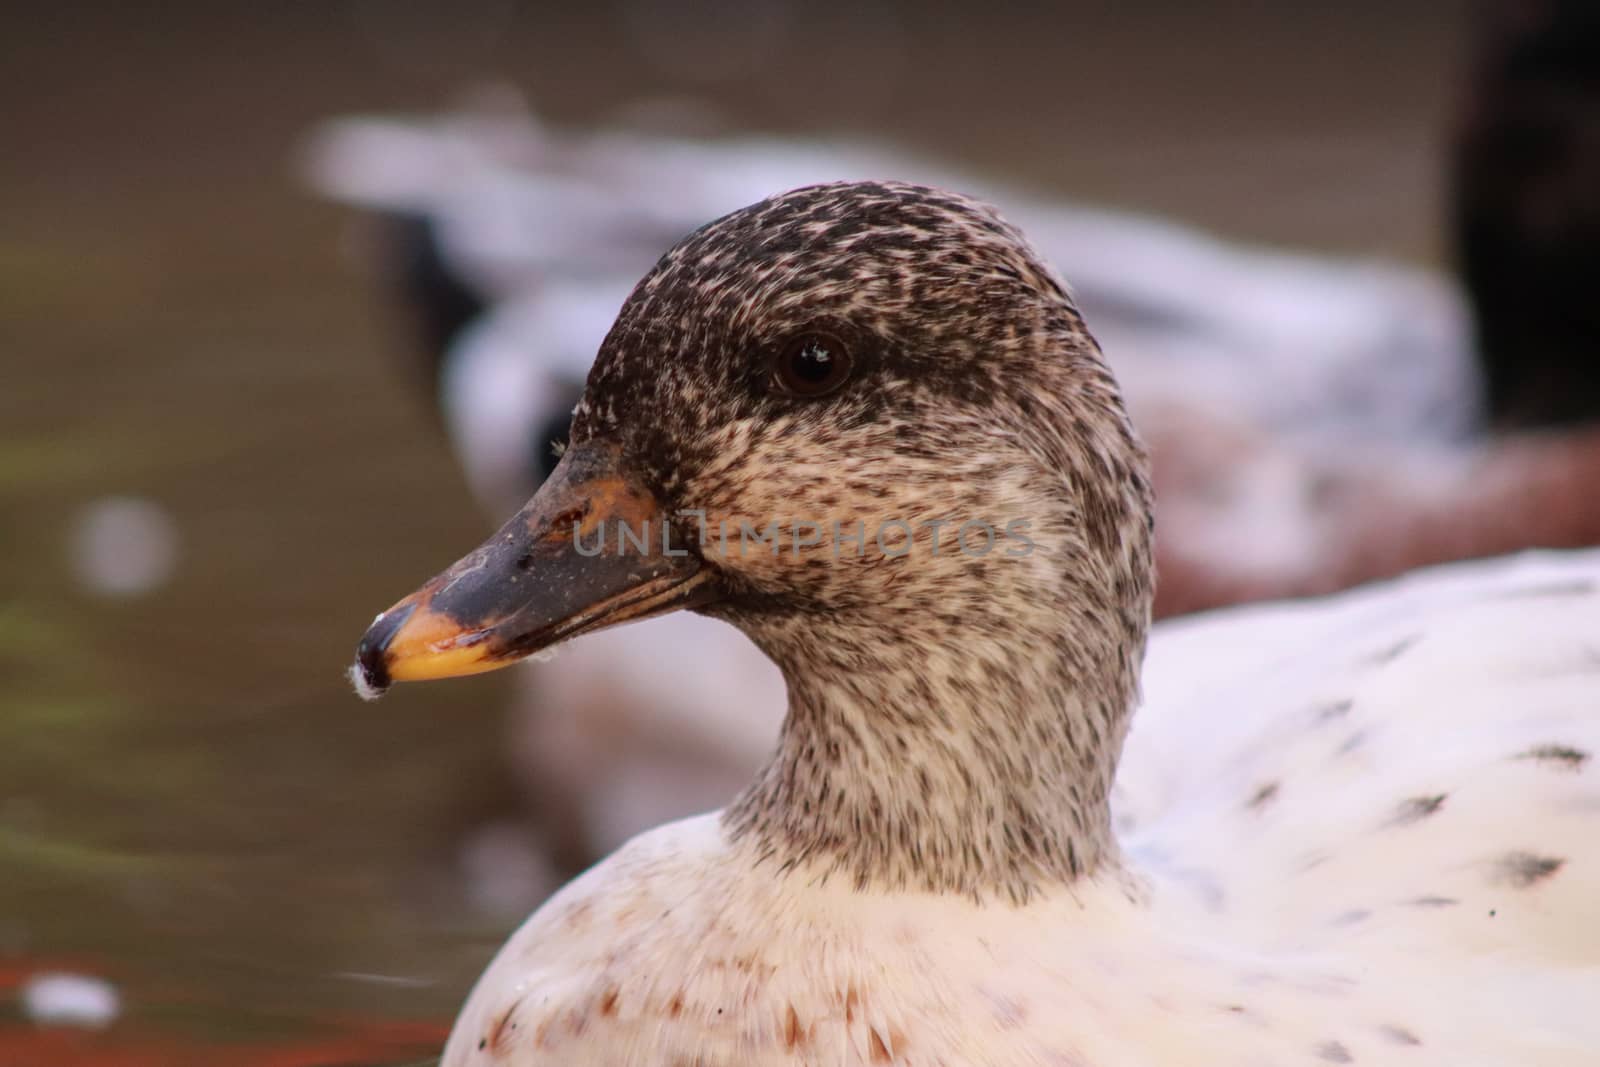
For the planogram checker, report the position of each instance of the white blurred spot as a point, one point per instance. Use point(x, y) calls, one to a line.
point(358, 680)
point(124, 546)
point(396, 981)
point(59, 999)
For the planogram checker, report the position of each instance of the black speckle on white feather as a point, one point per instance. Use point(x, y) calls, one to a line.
point(1398, 1035)
point(1579, 587)
point(1415, 809)
point(1351, 744)
point(1263, 796)
point(1557, 756)
point(1332, 711)
point(1389, 653)
point(1334, 1052)
point(1520, 870)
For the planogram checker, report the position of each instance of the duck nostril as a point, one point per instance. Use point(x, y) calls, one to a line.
point(561, 527)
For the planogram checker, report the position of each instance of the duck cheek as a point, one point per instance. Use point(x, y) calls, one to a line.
point(772, 553)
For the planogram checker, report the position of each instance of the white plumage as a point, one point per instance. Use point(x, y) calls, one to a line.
point(1356, 830)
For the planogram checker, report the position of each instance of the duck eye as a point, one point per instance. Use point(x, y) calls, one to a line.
point(812, 364)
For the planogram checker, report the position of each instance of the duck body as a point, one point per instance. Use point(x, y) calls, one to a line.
point(1366, 839)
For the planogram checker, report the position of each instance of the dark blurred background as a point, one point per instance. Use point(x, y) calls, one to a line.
point(199, 386)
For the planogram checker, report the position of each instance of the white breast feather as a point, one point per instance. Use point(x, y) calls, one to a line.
point(1365, 830)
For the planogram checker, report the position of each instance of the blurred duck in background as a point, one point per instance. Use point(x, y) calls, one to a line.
point(1315, 423)
point(1526, 201)
point(1524, 189)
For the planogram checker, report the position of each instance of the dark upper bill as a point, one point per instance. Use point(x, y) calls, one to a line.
point(593, 548)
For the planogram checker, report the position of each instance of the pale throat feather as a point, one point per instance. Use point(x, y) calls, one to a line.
point(944, 762)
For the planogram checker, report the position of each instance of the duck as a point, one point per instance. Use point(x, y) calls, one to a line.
point(506, 246)
point(1354, 830)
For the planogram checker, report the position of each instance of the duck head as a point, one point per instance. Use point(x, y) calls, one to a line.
point(865, 424)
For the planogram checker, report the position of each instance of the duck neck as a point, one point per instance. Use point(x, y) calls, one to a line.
point(903, 765)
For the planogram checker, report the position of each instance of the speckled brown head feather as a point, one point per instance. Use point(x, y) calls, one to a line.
point(954, 718)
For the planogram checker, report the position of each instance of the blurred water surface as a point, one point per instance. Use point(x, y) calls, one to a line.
point(199, 392)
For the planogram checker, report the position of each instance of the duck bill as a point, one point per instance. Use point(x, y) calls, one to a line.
point(592, 549)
